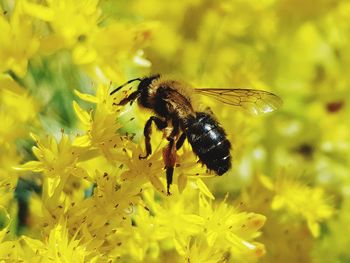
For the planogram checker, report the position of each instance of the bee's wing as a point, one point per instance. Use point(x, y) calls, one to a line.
point(255, 101)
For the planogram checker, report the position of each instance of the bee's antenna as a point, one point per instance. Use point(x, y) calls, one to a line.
point(126, 83)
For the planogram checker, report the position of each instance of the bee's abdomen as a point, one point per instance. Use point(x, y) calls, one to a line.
point(209, 142)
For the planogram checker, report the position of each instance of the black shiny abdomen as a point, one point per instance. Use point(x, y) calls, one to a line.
point(209, 142)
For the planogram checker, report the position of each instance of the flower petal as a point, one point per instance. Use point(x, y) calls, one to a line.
point(86, 97)
point(82, 115)
point(34, 166)
point(204, 189)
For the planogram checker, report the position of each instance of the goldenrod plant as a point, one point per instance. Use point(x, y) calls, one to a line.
point(72, 185)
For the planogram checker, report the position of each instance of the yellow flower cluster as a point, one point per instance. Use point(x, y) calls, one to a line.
point(72, 185)
point(18, 114)
point(124, 217)
point(46, 28)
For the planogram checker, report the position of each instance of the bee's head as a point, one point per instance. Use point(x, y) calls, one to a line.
point(146, 82)
point(143, 85)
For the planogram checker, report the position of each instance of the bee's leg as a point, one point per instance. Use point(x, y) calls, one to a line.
point(169, 178)
point(161, 124)
point(174, 133)
point(180, 141)
point(169, 156)
point(131, 98)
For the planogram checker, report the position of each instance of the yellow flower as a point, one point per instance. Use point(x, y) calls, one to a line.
point(58, 246)
point(8, 177)
point(199, 251)
point(298, 199)
point(175, 218)
point(231, 230)
point(142, 171)
point(103, 217)
point(78, 26)
point(58, 161)
point(18, 111)
point(70, 21)
point(55, 158)
point(139, 241)
point(101, 50)
point(100, 126)
point(18, 41)
point(5, 223)
point(10, 251)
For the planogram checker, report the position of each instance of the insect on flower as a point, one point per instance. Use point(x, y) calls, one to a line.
point(171, 102)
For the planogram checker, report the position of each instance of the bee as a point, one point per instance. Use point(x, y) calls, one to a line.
point(172, 104)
